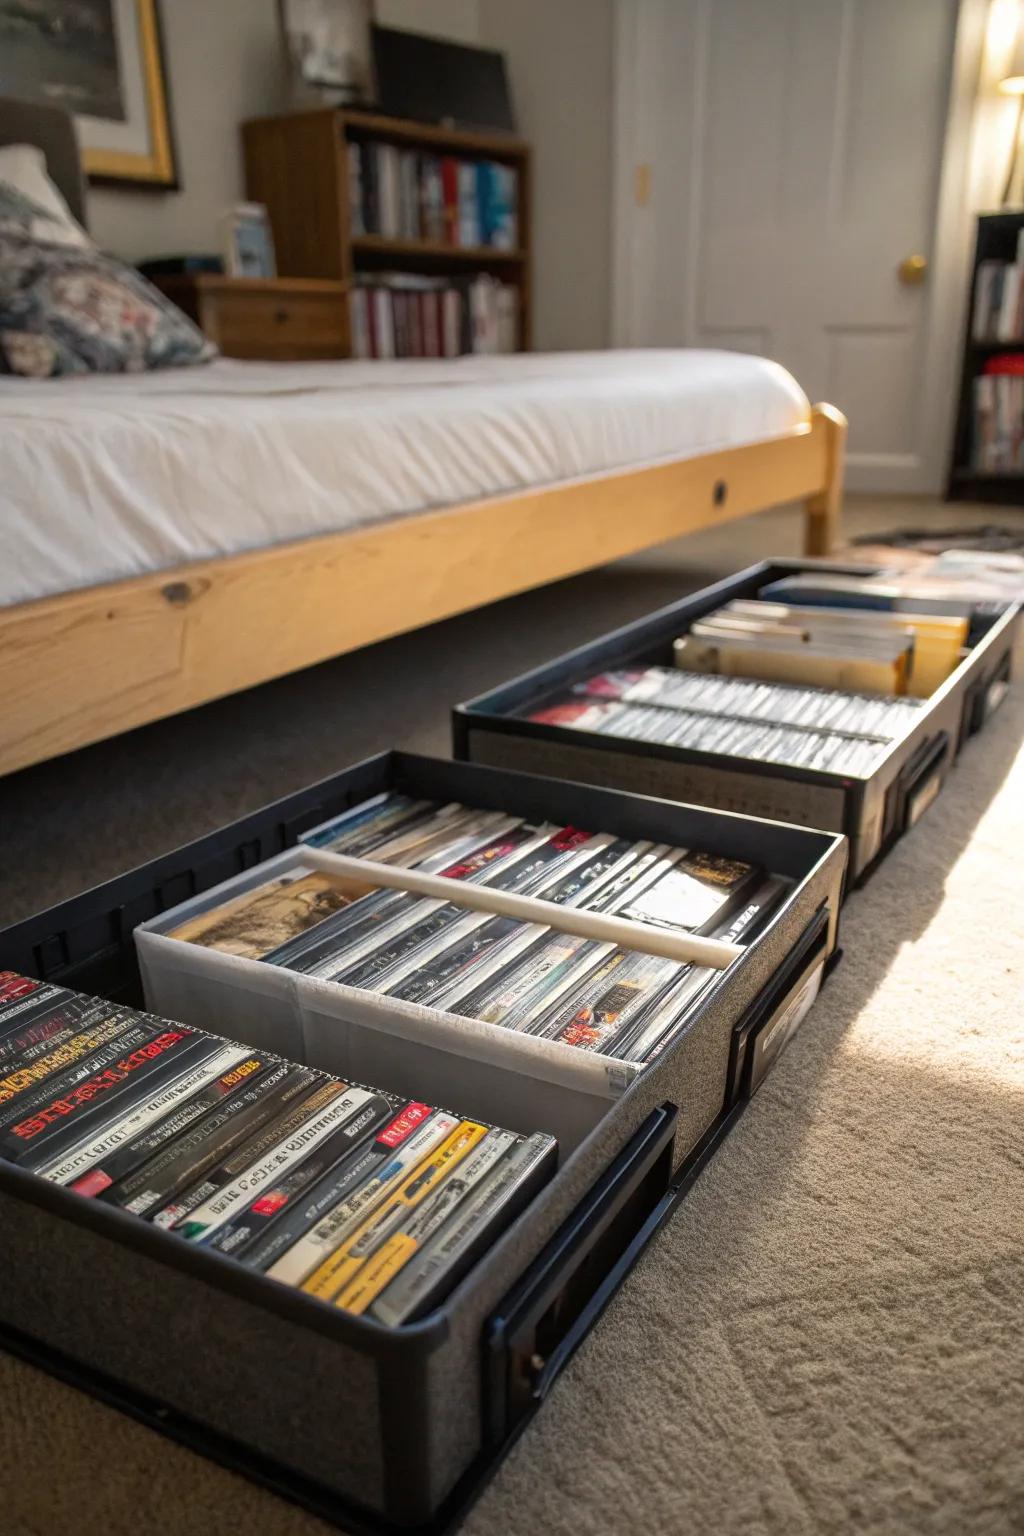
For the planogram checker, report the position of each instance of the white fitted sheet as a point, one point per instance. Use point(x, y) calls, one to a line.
point(112, 476)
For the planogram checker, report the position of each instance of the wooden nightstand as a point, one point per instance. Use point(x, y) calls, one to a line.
point(280, 318)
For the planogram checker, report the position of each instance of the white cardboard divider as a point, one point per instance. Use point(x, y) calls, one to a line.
point(667, 943)
point(477, 1069)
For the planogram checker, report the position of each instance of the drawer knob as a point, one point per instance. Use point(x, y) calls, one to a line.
point(280, 315)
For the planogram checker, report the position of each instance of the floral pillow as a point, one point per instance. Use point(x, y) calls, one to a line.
point(69, 309)
point(31, 202)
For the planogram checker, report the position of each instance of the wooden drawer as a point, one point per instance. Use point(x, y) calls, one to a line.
point(271, 325)
point(273, 318)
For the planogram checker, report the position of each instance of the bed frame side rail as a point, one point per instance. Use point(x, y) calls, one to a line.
point(86, 665)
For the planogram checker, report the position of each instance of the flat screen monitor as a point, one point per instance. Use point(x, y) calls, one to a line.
point(435, 81)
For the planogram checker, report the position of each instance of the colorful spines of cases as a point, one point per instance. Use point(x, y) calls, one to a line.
point(402, 194)
point(406, 314)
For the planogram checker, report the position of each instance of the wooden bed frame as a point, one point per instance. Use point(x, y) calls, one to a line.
point(85, 665)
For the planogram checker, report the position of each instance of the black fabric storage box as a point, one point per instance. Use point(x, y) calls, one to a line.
point(388, 1428)
point(872, 812)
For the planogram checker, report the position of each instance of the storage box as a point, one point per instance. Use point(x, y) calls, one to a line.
point(390, 1428)
point(873, 811)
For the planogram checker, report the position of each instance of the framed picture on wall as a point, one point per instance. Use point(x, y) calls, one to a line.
point(103, 61)
point(328, 44)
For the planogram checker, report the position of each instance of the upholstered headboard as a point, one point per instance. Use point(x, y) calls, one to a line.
point(52, 129)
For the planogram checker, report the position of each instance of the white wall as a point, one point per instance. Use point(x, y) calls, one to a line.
point(455, 19)
point(560, 64)
point(994, 117)
point(224, 65)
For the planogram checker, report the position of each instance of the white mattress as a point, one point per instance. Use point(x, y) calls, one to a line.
point(111, 476)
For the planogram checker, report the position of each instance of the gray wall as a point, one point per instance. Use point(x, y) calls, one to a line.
point(223, 63)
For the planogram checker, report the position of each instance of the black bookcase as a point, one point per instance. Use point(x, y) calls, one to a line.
point(996, 239)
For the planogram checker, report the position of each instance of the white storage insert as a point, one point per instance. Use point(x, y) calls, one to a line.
point(521, 1081)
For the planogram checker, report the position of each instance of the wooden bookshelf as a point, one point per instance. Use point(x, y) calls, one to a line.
point(996, 240)
point(297, 165)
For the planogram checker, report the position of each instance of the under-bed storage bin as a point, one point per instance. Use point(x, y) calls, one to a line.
point(872, 811)
point(337, 1410)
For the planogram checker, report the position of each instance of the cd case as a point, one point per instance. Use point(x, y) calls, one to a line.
point(391, 1428)
point(554, 721)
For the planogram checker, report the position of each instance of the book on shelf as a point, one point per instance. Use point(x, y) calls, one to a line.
point(999, 299)
point(450, 190)
point(998, 426)
point(405, 314)
point(357, 196)
point(431, 199)
point(401, 194)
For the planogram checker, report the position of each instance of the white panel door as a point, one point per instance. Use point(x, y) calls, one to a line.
point(794, 151)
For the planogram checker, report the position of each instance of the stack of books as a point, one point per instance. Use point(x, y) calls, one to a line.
point(404, 195)
point(406, 314)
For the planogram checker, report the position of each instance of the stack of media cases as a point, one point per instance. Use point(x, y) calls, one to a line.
point(790, 678)
point(769, 722)
point(446, 1046)
point(818, 694)
point(358, 1197)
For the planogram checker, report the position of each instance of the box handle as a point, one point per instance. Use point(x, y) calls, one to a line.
point(808, 956)
point(921, 781)
point(985, 697)
point(542, 1319)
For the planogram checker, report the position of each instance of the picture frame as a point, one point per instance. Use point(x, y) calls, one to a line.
point(329, 48)
point(247, 242)
point(103, 61)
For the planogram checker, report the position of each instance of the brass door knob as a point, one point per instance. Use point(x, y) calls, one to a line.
point(912, 269)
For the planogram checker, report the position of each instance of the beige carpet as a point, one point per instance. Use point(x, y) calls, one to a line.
point(828, 1336)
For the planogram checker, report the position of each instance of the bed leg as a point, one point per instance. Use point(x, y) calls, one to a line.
point(824, 508)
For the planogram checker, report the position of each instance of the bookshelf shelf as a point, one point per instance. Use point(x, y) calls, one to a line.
point(300, 164)
point(477, 255)
point(398, 130)
point(997, 238)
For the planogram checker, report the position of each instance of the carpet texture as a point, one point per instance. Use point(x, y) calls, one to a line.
point(827, 1337)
